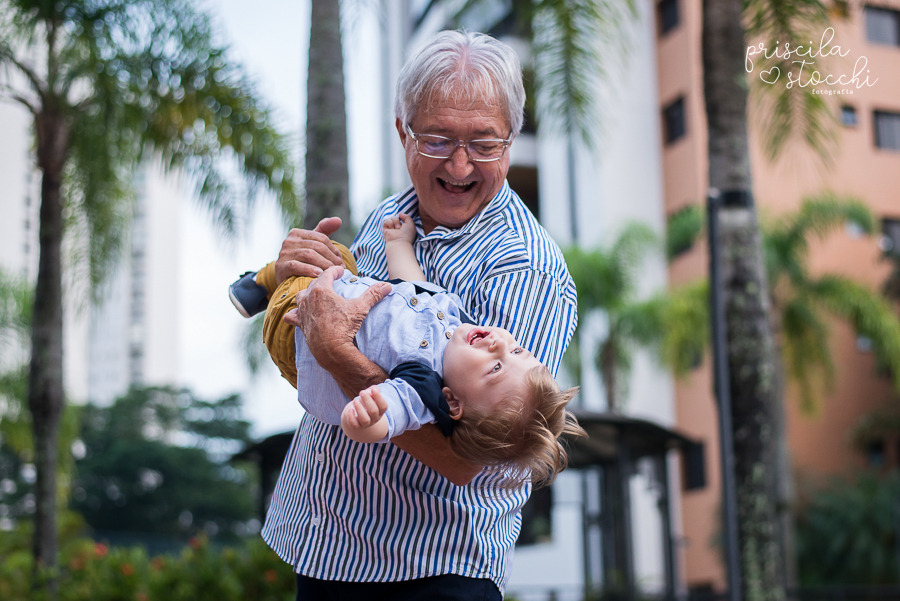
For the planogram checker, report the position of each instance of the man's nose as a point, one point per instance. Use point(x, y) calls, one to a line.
point(460, 164)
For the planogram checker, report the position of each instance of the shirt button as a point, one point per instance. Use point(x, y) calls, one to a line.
point(320, 456)
point(414, 301)
point(440, 315)
point(424, 344)
point(354, 279)
point(449, 335)
point(316, 521)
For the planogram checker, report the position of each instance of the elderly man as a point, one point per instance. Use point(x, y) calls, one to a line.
point(410, 520)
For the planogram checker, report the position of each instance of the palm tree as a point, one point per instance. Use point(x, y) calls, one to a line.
point(327, 179)
point(755, 388)
point(674, 323)
point(605, 280)
point(108, 84)
point(801, 301)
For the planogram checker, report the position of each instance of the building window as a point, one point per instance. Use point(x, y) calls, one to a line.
point(840, 9)
point(875, 454)
point(890, 237)
point(848, 116)
point(882, 25)
point(674, 120)
point(887, 130)
point(537, 524)
point(667, 15)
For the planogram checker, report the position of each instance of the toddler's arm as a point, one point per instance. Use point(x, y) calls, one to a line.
point(363, 418)
point(399, 234)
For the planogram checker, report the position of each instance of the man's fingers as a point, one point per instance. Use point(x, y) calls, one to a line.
point(304, 269)
point(304, 252)
point(327, 277)
point(372, 296)
point(292, 317)
point(328, 226)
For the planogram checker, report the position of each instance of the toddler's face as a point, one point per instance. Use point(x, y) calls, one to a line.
point(484, 365)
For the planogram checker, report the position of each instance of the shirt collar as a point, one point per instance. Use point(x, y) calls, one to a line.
point(408, 202)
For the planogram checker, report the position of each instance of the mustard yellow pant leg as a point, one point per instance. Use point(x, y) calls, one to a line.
point(277, 334)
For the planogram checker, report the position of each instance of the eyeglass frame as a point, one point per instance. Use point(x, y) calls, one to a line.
point(460, 143)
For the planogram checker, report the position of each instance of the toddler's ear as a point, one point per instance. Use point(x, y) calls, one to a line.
point(456, 409)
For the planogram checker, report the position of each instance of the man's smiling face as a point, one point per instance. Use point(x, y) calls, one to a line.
point(452, 191)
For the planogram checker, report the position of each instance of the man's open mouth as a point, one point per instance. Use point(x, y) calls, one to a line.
point(455, 187)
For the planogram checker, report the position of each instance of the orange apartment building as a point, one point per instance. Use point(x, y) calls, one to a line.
point(866, 166)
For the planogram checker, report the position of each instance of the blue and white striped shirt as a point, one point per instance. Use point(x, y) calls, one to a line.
point(371, 513)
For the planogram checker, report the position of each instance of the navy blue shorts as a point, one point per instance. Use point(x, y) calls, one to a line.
point(448, 587)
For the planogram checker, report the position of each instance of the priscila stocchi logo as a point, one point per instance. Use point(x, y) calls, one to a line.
point(801, 66)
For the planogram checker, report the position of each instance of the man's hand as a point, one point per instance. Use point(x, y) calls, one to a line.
point(308, 252)
point(330, 322)
point(363, 418)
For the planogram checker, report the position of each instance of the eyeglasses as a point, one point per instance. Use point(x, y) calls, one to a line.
point(439, 147)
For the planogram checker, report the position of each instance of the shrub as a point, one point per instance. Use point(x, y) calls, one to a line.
point(94, 571)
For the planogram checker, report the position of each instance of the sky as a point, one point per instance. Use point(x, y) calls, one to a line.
point(270, 38)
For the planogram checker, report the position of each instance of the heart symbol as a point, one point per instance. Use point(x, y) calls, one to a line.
point(770, 76)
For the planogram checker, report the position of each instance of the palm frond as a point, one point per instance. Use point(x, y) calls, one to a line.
point(786, 241)
point(791, 111)
point(870, 314)
point(569, 65)
point(683, 228)
point(804, 351)
point(686, 329)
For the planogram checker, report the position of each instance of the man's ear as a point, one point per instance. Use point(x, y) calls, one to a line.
point(456, 407)
point(401, 130)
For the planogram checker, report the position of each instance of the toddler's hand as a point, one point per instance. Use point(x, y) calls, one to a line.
point(364, 412)
point(399, 227)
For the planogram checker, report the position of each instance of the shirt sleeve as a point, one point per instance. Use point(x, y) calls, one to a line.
point(536, 308)
point(405, 409)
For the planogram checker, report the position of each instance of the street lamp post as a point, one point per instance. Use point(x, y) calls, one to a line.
point(715, 201)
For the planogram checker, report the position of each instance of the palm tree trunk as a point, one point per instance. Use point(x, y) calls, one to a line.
point(45, 384)
point(751, 354)
point(327, 187)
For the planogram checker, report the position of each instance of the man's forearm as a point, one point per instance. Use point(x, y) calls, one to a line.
point(432, 448)
point(354, 372)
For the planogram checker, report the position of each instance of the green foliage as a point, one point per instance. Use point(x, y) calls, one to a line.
point(802, 302)
point(848, 533)
point(573, 46)
point(15, 324)
point(675, 324)
point(786, 240)
point(785, 114)
point(605, 280)
point(16, 441)
point(683, 228)
point(155, 462)
point(133, 80)
point(200, 572)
